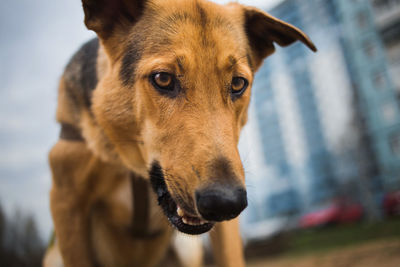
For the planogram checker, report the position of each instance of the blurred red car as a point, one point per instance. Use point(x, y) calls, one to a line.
point(338, 211)
point(391, 203)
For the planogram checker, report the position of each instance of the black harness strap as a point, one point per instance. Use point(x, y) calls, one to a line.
point(70, 133)
point(141, 209)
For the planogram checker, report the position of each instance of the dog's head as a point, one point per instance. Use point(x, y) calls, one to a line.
point(176, 93)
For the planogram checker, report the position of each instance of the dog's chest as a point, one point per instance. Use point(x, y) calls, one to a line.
point(119, 236)
point(122, 195)
point(119, 205)
point(132, 205)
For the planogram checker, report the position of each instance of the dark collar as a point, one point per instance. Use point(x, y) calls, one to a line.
point(70, 133)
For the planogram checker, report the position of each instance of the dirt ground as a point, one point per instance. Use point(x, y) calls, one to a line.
point(383, 253)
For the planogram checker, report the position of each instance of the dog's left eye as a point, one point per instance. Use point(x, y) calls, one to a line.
point(238, 86)
point(163, 81)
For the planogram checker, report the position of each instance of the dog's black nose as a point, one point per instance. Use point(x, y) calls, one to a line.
point(219, 203)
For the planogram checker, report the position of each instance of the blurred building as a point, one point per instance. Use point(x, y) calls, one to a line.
point(387, 20)
point(374, 87)
point(328, 123)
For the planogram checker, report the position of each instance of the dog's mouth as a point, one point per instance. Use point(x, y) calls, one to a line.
point(177, 216)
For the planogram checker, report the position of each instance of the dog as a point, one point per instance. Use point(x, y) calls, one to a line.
point(151, 112)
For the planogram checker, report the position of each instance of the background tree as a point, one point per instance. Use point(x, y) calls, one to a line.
point(20, 242)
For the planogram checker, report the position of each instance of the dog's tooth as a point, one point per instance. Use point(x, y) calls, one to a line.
point(196, 221)
point(180, 212)
point(203, 221)
point(188, 220)
point(192, 222)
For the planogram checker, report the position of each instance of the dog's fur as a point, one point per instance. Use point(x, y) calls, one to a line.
point(115, 122)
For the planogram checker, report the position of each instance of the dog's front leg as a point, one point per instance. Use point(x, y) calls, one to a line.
point(227, 244)
point(72, 167)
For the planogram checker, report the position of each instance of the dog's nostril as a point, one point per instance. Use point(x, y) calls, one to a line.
point(219, 203)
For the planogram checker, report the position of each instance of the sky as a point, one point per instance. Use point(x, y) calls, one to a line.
point(38, 38)
point(259, 3)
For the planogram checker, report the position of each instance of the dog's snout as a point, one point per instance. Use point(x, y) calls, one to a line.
point(219, 203)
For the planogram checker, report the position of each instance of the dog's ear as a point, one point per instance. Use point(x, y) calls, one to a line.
point(106, 17)
point(263, 30)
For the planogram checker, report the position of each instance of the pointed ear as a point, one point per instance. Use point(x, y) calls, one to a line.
point(107, 17)
point(263, 30)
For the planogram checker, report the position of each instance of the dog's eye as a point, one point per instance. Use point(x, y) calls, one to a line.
point(163, 81)
point(238, 86)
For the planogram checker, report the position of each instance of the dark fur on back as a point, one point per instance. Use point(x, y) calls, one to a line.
point(81, 75)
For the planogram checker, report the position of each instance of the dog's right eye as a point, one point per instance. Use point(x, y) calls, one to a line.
point(163, 81)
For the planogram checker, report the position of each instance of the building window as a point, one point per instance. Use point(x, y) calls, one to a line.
point(379, 81)
point(394, 142)
point(362, 20)
point(369, 49)
point(389, 112)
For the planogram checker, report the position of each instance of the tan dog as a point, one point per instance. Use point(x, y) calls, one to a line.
point(151, 113)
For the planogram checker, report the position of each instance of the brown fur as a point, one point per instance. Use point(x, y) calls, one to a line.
point(126, 124)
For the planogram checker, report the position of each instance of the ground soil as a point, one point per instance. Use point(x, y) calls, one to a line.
point(381, 253)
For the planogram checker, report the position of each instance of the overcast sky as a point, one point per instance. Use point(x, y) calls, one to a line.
point(259, 3)
point(38, 38)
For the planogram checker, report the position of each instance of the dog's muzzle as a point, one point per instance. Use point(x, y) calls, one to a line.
point(175, 214)
point(215, 203)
